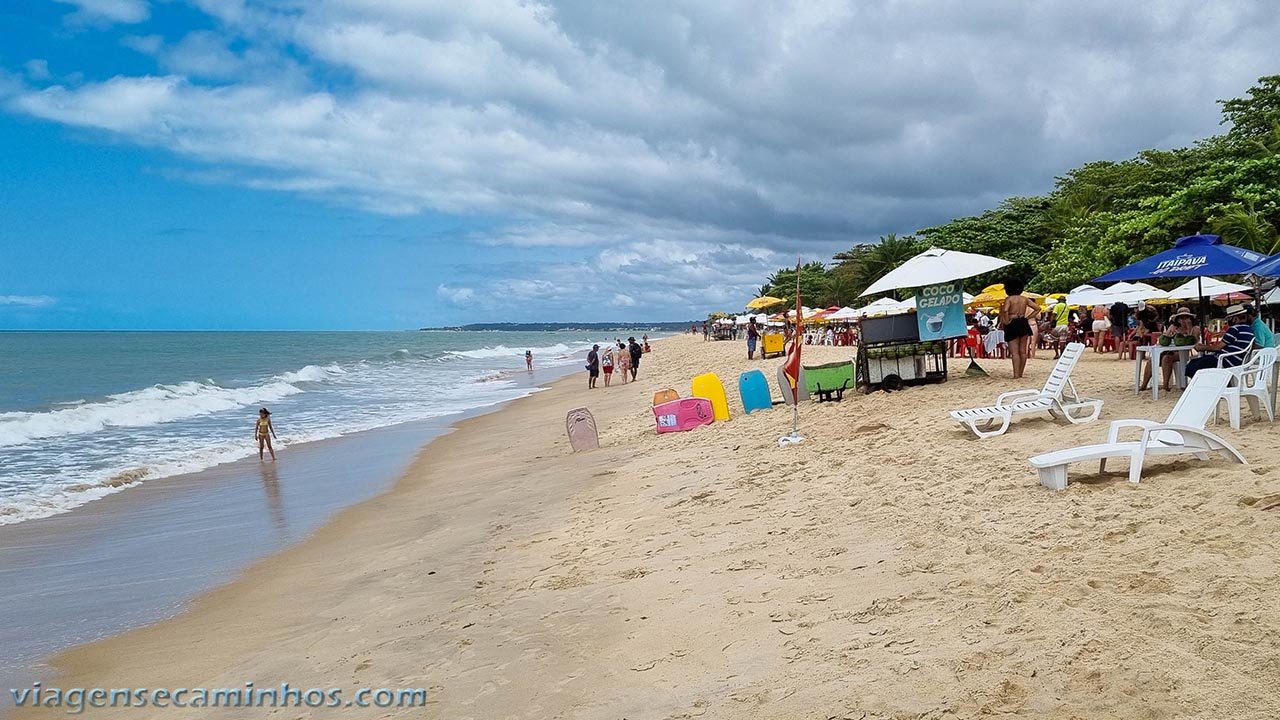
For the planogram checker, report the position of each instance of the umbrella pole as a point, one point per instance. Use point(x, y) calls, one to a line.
point(1204, 302)
point(974, 369)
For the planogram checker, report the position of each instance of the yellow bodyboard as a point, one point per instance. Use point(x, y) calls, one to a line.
point(708, 386)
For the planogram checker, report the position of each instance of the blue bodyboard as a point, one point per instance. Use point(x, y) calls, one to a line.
point(754, 389)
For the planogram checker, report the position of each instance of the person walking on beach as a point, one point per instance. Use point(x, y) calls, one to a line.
point(1100, 326)
point(1118, 316)
point(264, 431)
point(753, 336)
point(634, 349)
point(1015, 317)
point(528, 360)
point(593, 366)
point(606, 365)
point(621, 361)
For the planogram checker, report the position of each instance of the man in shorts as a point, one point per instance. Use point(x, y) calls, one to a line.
point(1119, 318)
point(593, 366)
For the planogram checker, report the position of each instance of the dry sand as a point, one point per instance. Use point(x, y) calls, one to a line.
point(889, 567)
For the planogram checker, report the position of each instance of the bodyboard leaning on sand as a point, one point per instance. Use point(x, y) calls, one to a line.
point(581, 425)
point(665, 396)
point(785, 387)
point(754, 389)
point(683, 414)
point(708, 385)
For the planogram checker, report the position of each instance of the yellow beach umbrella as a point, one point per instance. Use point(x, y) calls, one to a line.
point(995, 294)
point(765, 301)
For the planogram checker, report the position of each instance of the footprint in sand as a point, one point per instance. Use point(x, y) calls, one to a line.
point(1266, 502)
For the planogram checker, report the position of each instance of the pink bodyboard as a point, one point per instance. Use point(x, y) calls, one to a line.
point(683, 414)
point(581, 426)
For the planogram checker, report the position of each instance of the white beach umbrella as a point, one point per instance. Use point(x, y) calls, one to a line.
point(935, 266)
point(1086, 296)
point(883, 306)
point(1206, 287)
point(1272, 298)
point(844, 313)
point(911, 303)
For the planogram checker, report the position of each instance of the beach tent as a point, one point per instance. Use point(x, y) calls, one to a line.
point(935, 266)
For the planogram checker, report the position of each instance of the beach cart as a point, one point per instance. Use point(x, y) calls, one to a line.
point(773, 344)
point(891, 355)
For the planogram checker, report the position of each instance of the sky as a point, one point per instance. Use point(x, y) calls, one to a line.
point(391, 164)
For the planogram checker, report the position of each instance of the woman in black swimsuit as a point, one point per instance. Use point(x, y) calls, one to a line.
point(1015, 316)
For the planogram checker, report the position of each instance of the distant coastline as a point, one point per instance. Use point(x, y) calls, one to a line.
point(553, 327)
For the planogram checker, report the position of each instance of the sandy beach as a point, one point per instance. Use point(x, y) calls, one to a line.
point(888, 567)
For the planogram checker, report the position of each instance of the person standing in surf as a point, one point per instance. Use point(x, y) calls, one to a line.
point(528, 360)
point(264, 431)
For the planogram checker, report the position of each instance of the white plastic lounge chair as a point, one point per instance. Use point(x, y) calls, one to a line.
point(1252, 381)
point(1058, 397)
point(1182, 433)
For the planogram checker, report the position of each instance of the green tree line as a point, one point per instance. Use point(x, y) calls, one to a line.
point(1098, 217)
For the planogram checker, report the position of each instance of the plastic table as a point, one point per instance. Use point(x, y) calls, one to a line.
point(1155, 351)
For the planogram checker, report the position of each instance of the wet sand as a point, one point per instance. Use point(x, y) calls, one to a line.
point(888, 567)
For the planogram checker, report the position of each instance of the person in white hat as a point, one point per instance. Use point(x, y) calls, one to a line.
point(1237, 338)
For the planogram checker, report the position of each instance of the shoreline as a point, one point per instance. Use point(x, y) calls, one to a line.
point(214, 523)
point(889, 566)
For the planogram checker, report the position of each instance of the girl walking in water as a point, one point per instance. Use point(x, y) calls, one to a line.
point(264, 431)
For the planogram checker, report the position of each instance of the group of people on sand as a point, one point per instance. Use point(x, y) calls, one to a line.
point(1132, 328)
point(622, 358)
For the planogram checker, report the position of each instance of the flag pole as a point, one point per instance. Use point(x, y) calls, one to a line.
point(792, 368)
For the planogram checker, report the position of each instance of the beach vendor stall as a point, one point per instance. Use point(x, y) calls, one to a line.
point(897, 346)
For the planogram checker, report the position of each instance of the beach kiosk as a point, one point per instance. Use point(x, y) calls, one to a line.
point(904, 343)
point(892, 355)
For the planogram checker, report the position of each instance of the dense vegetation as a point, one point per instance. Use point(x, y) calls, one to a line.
point(1098, 217)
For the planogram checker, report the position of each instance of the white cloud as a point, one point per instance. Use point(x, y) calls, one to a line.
point(456, 295)
point(682, 145)
point(115, 11)
point(27, 301)
point(37, 70)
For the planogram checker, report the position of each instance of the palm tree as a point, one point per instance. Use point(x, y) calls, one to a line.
point(862, 265)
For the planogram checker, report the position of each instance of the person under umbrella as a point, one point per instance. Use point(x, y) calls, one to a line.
point(1229, 350)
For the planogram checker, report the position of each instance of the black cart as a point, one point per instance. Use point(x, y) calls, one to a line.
point(891, 355)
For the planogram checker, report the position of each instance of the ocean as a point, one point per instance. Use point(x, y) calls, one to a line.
point(84, 415)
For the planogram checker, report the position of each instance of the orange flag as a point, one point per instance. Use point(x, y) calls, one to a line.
point(792, 366)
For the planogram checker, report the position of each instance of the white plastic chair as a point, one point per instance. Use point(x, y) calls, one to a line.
point(1252, 381)
point(1058, 397)
point(1242, 355)
point(1182, 433)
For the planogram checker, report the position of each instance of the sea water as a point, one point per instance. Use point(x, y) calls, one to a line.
point(84, 415)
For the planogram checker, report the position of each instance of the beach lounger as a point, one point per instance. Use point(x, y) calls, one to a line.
point(1182, 433)
point(1058, 397)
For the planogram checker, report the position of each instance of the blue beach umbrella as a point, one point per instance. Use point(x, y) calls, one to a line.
point(1267, 268)
point(1191, 256)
